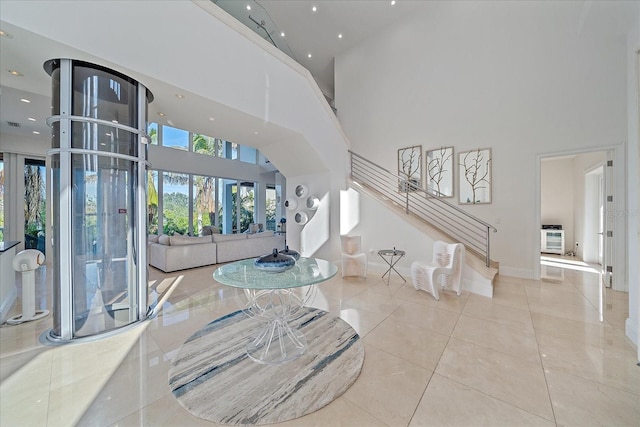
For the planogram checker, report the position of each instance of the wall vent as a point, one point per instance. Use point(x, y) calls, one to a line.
point(14, 124)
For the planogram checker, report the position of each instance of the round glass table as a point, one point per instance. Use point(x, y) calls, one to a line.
point(275, 299)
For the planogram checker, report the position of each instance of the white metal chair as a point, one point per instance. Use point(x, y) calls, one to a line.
point(354, 261)
point(444, 271)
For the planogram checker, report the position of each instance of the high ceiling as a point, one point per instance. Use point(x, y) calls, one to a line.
point(305, 32)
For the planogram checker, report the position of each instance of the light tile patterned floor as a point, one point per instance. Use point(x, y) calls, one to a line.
point(548, 352)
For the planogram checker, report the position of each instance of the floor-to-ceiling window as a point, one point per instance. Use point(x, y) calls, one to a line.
point(175, 203)
point(152, 201)
point(247, 205)
point(204, 202)
point(34, 204)
point(270, 208)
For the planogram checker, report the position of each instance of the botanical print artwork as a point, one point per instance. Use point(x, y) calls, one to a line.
point(409, 168)
point(440, 172)
point(474, 176)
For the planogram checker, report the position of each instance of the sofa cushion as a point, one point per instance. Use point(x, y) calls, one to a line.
point(187, 240)
point(226, 237)
point(152, 238)
point(208, 230)
point(268, 233)
point(163, 239)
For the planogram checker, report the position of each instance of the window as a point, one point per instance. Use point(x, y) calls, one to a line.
point(207, 145)
point(152, 201)
point(152, 130)
point(247, 197)
point(175, 138)
point(204, 203)
point(230, 150)
point(34, 204)
point(175, 203)
point(270, 208)
point(248, 154)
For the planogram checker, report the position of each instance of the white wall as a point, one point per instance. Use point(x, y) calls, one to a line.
point(522, 78)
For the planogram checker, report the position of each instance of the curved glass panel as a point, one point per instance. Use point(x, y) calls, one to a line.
point(96, 137)
point(103, 94)
point(103, 265)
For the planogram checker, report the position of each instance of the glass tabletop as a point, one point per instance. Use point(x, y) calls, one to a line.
point(306, 271)
point(390, 252)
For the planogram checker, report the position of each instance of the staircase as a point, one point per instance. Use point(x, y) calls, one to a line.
point(428, 213)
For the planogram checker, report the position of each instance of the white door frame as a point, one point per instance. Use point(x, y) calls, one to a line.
point(619, 226)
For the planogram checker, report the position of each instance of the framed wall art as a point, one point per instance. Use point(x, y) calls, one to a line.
point(474, 176)
point(410, 168)
point(439, 172)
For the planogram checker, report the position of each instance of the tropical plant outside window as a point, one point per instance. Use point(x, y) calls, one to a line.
point(270, 209)
point(34, 204)
point(152, 201)
point(207, 145)
point(204, 203)
point(152, 131)
point(175, 203)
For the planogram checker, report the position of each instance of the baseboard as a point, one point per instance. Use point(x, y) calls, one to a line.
point(521, 273)
point(7, 304)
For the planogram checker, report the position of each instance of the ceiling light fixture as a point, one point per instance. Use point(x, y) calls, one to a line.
point(248, 7)
point(282, 34)
point(35, 132)
point(25, 100)
point(179, 95)
point(393, 2)
point(314, 9)
point(340, 35)
point(31, 119)
point(15, 73)
point(160, 113)
point(308, 55)
point(212, 118)
point(3, 33)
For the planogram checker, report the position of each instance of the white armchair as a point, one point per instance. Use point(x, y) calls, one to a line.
point(354, 261)
point(444, 271)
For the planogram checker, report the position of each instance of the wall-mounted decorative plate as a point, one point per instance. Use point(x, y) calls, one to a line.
point(291, 204)
point(301, 191)
point(301, 218)
point(313, 202)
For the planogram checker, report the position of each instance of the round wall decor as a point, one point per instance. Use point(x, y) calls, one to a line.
point(290, 204)
point(313, 202)
point(301, 191)
point(301, 218)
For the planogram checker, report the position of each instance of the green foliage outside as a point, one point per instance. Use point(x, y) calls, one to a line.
point(176, 213)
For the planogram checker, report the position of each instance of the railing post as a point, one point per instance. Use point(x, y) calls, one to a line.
point(488, 254)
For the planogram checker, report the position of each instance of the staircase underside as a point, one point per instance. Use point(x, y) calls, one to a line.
point(478, 278)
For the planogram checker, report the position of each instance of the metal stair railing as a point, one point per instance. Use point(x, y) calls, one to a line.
point(448, 218)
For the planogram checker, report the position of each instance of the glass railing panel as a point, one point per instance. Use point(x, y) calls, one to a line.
point(255, 17)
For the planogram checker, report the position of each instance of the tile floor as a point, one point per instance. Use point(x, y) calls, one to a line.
point(548, 352)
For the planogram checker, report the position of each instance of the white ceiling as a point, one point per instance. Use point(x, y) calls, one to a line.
point(305, 32)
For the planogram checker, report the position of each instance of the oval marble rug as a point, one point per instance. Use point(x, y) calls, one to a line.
point(213, 378)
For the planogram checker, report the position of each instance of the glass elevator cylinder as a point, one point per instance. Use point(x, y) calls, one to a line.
point(98, 165)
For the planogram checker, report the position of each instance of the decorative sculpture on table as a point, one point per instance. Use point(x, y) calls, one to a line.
point(475, 176)
point(440, 172)
point(410, 168)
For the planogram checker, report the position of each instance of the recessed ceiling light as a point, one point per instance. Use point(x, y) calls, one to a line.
point(160, 113)
point(248, 7)
point(35, 132)
point(282, 34)
point(179, 95)
point(314, 9)
point(212, 118)
point(15, 73)
point(255, 133)
point(340, 35)
point(308, 55)
point(5, 34)
point(25, 100)
point(31, 119)
point(393, 2)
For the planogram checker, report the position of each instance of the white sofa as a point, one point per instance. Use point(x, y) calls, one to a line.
point(172, 253)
